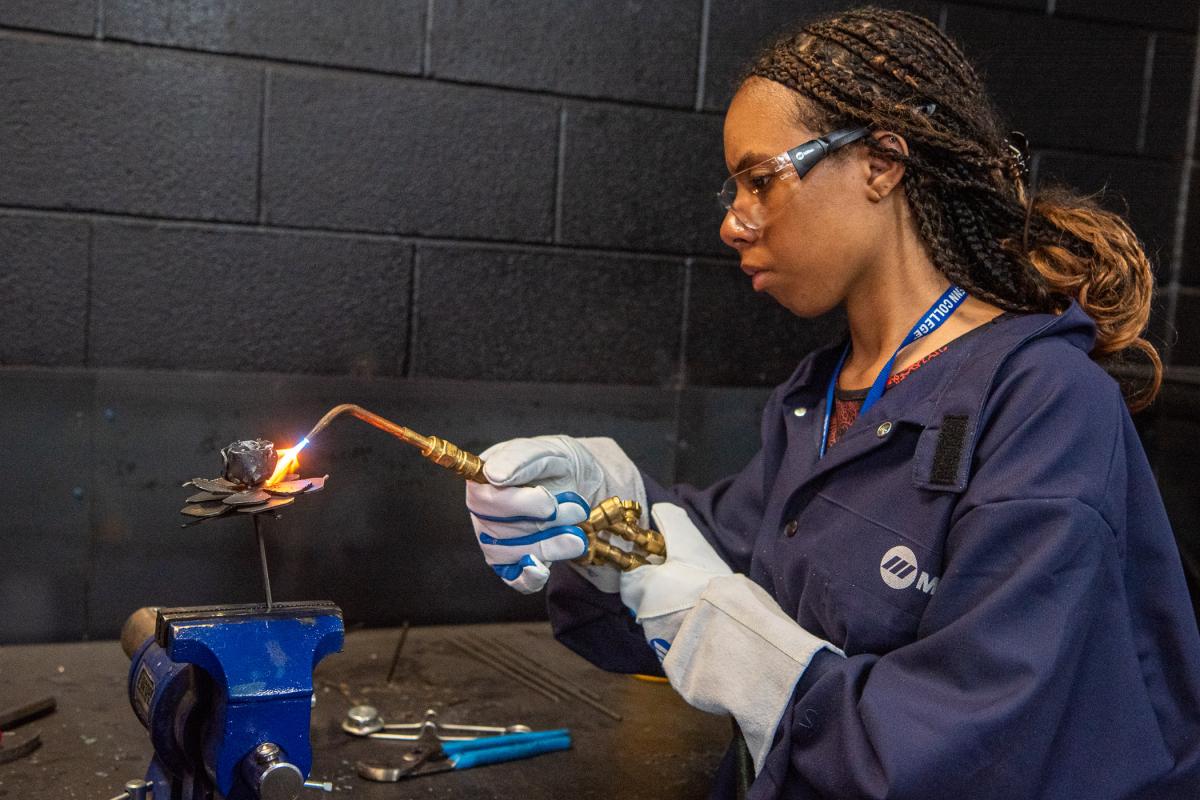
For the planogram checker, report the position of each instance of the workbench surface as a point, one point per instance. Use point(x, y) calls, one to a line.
point(661, 749)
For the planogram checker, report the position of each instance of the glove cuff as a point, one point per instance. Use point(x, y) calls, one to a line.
point(735, 631)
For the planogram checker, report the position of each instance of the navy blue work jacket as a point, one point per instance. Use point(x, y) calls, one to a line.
point(988, 546)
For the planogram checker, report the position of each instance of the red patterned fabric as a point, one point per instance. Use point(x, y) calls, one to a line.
point(846, 404)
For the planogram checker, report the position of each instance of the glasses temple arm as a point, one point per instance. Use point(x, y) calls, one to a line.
point(842, 138)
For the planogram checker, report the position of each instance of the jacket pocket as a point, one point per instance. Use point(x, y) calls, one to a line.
point(872, 581)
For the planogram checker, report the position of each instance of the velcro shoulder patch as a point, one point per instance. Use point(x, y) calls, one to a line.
point(947, 455)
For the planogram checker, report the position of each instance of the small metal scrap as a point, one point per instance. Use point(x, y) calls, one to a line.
point(136, 789)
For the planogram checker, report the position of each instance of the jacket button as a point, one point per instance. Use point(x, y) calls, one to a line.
point(790, 528)
point(883, 430)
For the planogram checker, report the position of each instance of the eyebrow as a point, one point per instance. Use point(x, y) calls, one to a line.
point(749, 160)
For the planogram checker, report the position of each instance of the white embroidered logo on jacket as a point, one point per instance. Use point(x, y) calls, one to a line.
point(898, 568)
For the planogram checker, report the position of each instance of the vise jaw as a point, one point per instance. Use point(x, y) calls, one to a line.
point(226, 694)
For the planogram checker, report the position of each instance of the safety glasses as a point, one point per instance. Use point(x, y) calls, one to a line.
point(754, 184)
point(744, 194)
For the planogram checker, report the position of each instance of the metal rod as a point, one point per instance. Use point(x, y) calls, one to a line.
point(484, 658)
point(262, 557)
point(567, 687)
point(28, 712)
point(547, 670)
point(396, 655)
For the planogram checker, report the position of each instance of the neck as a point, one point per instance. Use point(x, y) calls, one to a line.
point(882, 308)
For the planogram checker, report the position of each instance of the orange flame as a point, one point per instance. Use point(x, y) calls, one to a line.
point(288, 462)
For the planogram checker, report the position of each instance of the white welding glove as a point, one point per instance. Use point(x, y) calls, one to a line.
point(739, 653)
point(539, 490)
point(660, 595)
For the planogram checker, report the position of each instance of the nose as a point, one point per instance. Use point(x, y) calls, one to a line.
point(736, 234)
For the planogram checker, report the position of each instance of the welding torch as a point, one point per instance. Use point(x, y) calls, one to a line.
point(614, 516)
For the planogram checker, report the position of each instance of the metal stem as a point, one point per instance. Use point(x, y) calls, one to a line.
point(262, 557)
point(396, 655)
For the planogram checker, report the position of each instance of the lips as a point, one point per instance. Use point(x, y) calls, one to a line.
point(757, 275)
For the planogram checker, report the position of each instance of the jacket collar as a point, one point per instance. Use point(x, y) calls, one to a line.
point(946, 403)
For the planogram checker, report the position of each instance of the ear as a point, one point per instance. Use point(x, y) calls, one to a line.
point(884, 174)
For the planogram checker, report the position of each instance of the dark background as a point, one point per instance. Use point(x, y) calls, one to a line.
point(479, 219)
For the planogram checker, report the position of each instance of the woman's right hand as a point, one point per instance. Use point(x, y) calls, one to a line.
point(528, 515)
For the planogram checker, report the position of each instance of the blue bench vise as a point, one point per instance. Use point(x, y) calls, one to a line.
point(226, 693)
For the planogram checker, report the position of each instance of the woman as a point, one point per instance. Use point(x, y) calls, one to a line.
point(948, 571)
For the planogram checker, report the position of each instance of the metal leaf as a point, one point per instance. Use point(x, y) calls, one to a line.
point(215, 485)
point(205, 497)
point(273, 503)
point(205, 510)
point(288, 488)
point(250, 497)
point(317, 484)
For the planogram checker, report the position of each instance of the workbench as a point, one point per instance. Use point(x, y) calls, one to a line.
point(662, 748)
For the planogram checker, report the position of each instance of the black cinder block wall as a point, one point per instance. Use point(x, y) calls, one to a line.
point(480, 219)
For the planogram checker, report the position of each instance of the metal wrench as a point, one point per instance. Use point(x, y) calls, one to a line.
point(365, 721)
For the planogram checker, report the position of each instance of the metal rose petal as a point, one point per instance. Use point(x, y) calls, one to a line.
point(251, 497)
point(317, 484)
point(205, 510)
point(288, 488)
point(205, 497)
point(273, 503)
point(215, 485)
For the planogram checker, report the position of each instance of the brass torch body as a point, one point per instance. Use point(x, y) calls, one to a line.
point(613, 516)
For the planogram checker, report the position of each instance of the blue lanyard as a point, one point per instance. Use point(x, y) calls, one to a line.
point(938, 313)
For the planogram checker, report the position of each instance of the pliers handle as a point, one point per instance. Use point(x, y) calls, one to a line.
point(464, 755)
point(509, 747)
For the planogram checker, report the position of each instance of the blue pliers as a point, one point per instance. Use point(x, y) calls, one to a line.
point(431, 755)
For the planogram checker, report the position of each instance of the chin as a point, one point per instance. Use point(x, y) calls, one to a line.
point(804, 306)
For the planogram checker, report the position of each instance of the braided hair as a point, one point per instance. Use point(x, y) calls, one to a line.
point(965, 179)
